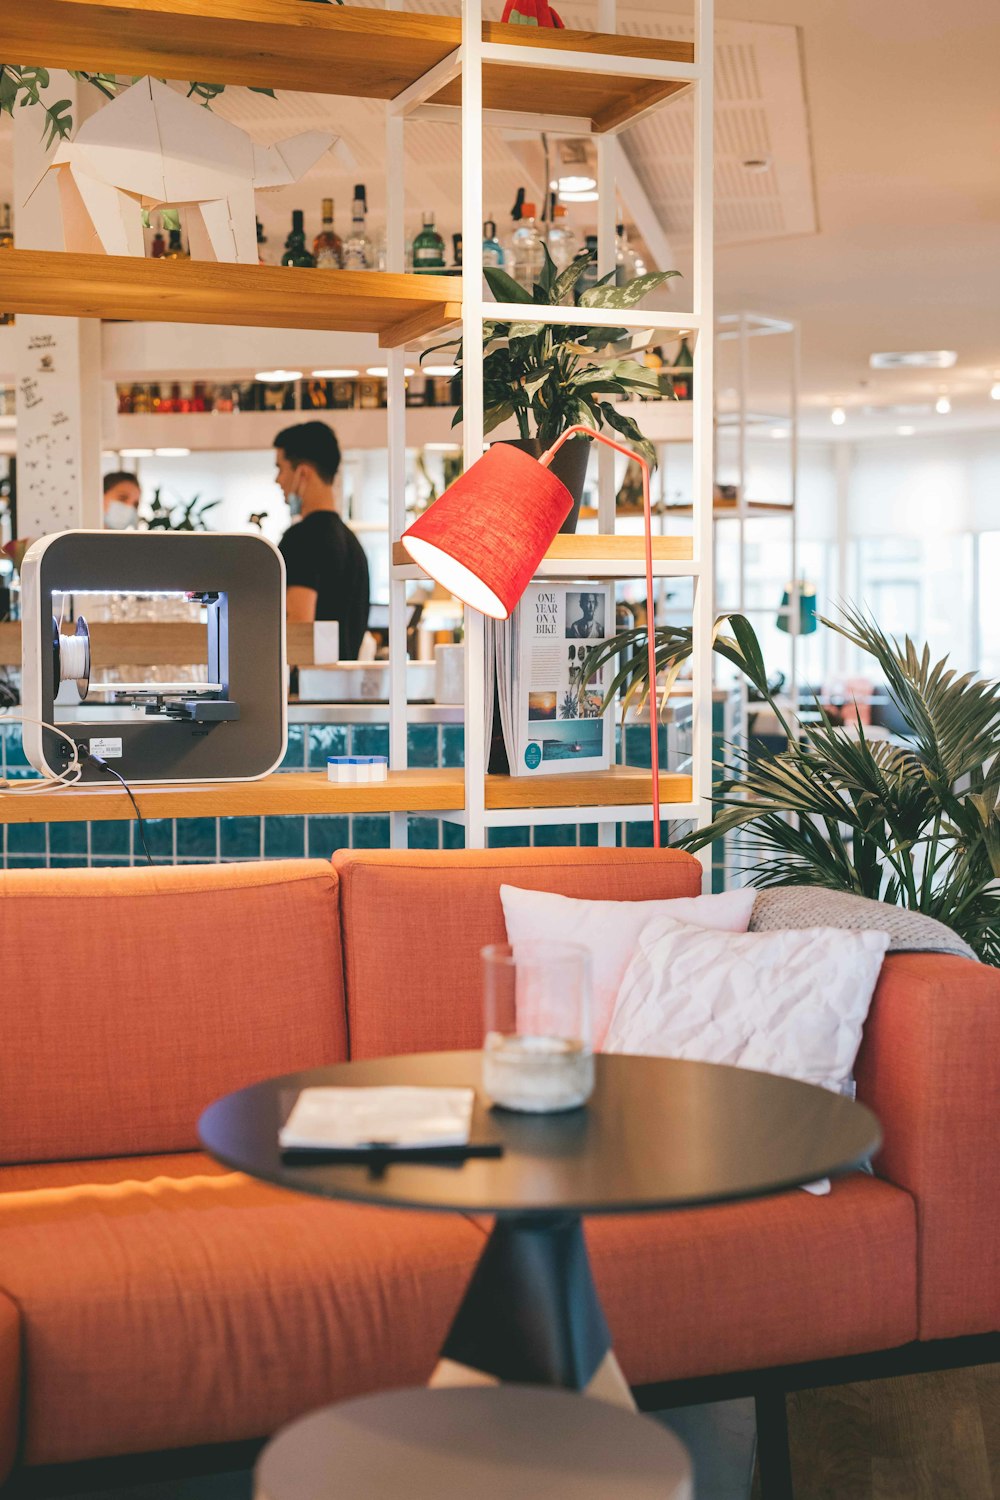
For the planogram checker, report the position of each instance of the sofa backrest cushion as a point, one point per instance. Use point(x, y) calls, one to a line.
point(413, 924)
point(130, 999)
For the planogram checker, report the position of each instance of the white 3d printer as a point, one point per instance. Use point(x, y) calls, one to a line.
point(231, 728)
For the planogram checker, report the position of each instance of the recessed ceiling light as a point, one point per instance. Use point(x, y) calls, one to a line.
point(942, 406)
point(906, 431)
point(136, 452)
point(335, 374)
point(995, 390)
point(443, 447)
point(571, 184)
point(277, 376)
point(172, 452)
point(381, 371)
point(443, 370)
point(926, 359)
point(838, 416)
point(589, 195)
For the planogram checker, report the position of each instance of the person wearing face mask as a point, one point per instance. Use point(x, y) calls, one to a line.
point(325, 564)
point(121, 501)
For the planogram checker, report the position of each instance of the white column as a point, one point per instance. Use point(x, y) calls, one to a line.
point(58, 369)
point(843, 459)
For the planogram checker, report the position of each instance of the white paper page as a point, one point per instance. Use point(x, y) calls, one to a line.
point(400, 1117)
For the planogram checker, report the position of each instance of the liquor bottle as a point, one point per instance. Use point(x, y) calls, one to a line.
point(428, 248)
point(561, 239)
point(683, 382)
point(158, 248)
point(296, 253)
point(124, 400)
point(492, 248)
point(455, 268)
point(589, 277)
point(263, 258)
point(369, 393)
point(141, 404)
point(6, 243)
point(200, 401)
point(175, 249)
point(155, 399)
point(358, 252)
point(624, 257)
point(526, 245)
point(328, 247)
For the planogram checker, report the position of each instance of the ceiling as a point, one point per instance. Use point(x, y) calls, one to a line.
point(876, 223)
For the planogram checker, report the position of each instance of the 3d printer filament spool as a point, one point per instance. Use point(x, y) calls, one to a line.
point(71, 656)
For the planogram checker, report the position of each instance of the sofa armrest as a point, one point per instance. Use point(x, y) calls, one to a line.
point(929, 1066)
point(10, 1385)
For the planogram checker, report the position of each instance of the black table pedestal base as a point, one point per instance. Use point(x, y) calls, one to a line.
point(531, 1314)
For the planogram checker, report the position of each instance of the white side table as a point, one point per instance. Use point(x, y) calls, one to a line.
point(474, 1443)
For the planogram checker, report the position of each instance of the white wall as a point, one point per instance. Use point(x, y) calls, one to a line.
point(925, 485)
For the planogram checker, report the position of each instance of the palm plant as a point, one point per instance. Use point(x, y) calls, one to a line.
point(914, 822)
point(555, 375)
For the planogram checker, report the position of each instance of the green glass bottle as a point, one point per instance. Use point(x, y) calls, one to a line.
point(428, 248)
point(683, 373)
point(296, 253)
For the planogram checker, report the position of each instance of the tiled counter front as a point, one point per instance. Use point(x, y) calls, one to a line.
point(435, 738)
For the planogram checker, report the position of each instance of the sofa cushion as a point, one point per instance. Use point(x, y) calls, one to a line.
point(414, 923)
point(748, 1285)
point(139, 996)
point(167, 1302)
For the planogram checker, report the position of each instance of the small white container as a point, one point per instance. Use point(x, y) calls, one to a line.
point(353, 768)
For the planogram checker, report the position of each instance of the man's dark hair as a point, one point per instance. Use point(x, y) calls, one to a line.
point(312, 443)
point(119, 477)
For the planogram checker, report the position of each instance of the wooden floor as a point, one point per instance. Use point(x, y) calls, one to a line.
point(918, 1437)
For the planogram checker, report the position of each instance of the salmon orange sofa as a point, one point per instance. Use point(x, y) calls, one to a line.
point(151, 1299)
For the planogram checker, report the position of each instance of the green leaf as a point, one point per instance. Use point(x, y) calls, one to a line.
point(58, 122)
point(547, 277)
point(504, 287)
point(628, 429)
point(568, 278)
point(628, 295)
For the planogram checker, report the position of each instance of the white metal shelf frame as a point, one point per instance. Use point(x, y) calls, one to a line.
point(468, 60)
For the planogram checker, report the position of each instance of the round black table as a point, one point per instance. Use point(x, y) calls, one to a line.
point(657, 1134)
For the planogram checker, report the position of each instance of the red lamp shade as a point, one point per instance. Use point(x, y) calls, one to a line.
point(484, 538)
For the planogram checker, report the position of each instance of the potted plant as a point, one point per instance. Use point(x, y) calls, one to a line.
point(913, 821)
point(549, 376)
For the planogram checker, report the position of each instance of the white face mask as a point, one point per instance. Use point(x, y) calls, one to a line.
point(120, 516)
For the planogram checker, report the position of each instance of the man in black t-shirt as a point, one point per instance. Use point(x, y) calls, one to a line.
point(325, 564)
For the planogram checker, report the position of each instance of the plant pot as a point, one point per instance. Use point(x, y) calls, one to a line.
point(569, 465)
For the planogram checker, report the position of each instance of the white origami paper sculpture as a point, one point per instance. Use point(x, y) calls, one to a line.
point(152, 146)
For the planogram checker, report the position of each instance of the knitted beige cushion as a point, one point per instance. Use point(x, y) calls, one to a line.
point(794, 906)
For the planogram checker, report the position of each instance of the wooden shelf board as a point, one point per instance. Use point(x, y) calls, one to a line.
point(596, 556)
point(294, 44)
point(395, 306)
point(621, 786)
point(281, 44)
point(148, 644)
point(304, 792)
point(606, 100)
point(732, 508)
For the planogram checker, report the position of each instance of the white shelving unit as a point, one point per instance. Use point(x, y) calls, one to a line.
point(576, 557)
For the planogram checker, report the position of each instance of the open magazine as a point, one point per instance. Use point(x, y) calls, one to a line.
point(538, 722)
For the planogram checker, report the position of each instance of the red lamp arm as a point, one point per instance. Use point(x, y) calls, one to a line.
point(580, 430)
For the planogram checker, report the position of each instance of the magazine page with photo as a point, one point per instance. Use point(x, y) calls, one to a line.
point(558, 724)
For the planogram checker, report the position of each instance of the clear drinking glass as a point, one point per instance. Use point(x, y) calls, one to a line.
point(537, 1046)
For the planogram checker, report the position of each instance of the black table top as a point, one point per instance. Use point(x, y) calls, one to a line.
point(656, 1134)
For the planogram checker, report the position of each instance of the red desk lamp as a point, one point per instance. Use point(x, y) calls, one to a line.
point(484, 538)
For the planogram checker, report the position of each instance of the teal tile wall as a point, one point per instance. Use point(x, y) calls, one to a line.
point(63, 845)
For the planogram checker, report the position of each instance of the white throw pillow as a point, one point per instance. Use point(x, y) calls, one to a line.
point(610, 930)
point(792, 1003)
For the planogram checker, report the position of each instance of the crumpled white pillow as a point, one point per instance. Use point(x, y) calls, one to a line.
point(792, 1003)
point(610, 931)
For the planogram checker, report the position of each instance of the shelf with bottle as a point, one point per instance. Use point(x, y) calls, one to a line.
point(395, 306)
point(344, 390)
point(594, 555)
point(6, 243)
